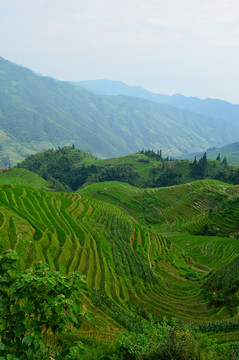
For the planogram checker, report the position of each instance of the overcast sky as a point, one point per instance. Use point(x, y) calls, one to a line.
point(167, 46)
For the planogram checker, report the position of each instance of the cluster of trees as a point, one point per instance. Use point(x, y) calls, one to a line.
point(174, 172)
point(214, 169)
point(224, 284)
point(121, 172)
point(65, 169)
point(167, 177)
point(59, 168)
point(155, 155)
point(224, 161)
point(164, 340)
point(217, 327)
point(200, 168)
point(152, 154)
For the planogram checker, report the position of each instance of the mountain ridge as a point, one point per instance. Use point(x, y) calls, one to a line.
point(209, 107)
point(39, 113)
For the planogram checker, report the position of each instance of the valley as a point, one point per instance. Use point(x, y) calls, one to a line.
point(117, 219)
point(141, 250)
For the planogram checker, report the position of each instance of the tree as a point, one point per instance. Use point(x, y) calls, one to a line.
point(35, 304)
point(218, 157)
point(202, 165)
point(194, 167)
point(204, 158)
point(224, 162)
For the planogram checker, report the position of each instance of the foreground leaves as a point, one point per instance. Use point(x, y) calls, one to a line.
point(34, 304)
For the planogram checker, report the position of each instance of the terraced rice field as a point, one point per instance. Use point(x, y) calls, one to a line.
point(18, 176)
point(136, 247)
point(184, 207)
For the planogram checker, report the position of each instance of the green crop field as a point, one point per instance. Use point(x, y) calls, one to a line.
point(140, 249)
point(21, 177)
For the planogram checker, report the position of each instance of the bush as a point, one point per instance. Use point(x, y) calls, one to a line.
point(34, 304)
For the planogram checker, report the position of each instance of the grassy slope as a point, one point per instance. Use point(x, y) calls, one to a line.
point(39, 112)
point(135, 245)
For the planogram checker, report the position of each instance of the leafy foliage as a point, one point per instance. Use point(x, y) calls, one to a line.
point(225, 282)
point(164, 341)
point(217, 327)
point(34, 304)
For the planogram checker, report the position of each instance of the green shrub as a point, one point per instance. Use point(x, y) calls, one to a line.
point(33, 305)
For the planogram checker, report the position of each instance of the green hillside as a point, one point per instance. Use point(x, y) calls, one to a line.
point(22, 177)
point(38, 113)
point(188, 207)
point(214, 108)
point(140, 249)
point(70, 168)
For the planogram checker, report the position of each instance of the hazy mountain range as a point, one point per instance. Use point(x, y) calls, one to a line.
point(39, 112)
point(208, 107)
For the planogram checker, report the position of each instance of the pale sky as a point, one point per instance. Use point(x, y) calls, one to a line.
point(167, 46)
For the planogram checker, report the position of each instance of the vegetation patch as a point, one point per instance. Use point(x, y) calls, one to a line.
point(224, 284)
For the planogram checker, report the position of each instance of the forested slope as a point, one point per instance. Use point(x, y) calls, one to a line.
point(214, 108)
point(39, 112)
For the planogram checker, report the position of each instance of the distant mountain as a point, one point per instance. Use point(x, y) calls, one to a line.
point(208, 107)
point(113, 87)
point(231, 152)
point(38, 113)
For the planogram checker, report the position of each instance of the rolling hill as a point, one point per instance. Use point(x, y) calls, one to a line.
point(38, 112)
point(70, 168)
